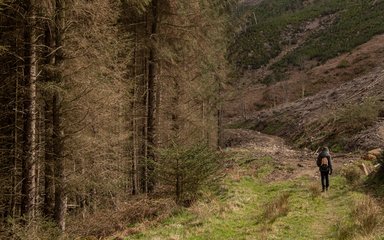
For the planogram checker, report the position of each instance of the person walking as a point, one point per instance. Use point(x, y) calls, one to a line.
point(324, 162)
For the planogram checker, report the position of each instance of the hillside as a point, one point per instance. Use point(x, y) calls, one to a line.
point(347, 117)
point(310, 73)
point(250, 95)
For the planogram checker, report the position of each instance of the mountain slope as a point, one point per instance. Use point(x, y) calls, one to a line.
point(345, 117)
point(311, 72)
point(275, 24)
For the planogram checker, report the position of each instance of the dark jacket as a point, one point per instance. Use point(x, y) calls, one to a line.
point(325, 153)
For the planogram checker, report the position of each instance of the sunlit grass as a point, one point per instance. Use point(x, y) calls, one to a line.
point(254, 208)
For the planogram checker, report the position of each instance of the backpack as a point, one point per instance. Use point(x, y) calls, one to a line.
point(324, 166)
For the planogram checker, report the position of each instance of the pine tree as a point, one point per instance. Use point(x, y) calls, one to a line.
point(57, 136)
point(29, 162)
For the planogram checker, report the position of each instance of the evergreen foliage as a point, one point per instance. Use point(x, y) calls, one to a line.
point(188, 170)
point(350, 24)
point(115, 81)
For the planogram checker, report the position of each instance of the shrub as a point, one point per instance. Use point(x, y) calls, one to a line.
point(188, 170)
point(276, 208)
point(367, 215)
point(353, 174)
point(343, 64)
point(375, 181)
point(380, 160)
point(104, 222)
point(356, 117)
point(315, 190)
point(364, 219)
point(38, 229)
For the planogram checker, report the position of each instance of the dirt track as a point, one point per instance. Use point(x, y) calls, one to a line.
point(294, 162)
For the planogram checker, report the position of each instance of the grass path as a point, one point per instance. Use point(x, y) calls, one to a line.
point(261, 199)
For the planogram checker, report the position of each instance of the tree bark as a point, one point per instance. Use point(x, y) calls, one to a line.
point(29, 190)
point(49, 188)
point(134, 155)
point(176, 134)
point(143, 115)
point(57, 138)
point(60, 194)
point(13, 199)
point(144, 127)
point(152, 75)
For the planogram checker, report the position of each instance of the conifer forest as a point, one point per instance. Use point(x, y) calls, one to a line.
point(106, 103)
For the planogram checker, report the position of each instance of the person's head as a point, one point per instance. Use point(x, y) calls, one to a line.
point(325, 149)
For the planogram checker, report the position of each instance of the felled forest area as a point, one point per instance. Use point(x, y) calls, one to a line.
point(110, 111)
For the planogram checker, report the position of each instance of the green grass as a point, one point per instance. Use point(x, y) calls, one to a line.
point(241, 212)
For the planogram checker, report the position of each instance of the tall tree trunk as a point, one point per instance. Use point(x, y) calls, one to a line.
point(13, 199)
point(143, 97)
point(60, 192)
point(133, 140)
point(176, 134)
point(29, 190)
point(152, 74)
point(134, 155)
point(158, 104)
point(144, 126)
point(49, 188)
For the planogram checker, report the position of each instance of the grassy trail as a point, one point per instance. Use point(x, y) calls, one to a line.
point(260, 199)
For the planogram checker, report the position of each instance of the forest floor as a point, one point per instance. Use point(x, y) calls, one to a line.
point(271, 192)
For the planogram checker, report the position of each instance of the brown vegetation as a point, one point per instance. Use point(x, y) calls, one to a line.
point(252, 96)
point(346, 117)
point(367, 218)
point(276, 208)
point(91, 90)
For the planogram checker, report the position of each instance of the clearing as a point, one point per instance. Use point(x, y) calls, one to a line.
point(270, 191)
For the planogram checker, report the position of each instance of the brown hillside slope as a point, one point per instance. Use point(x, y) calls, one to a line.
point(328, 117)
point(307, 81)
point(334, 72)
